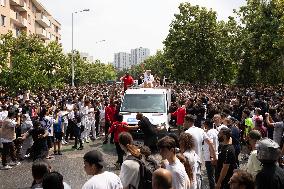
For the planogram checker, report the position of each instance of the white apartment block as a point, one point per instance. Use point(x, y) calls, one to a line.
point(86, 56)
point(138, 55)
point(122, 60)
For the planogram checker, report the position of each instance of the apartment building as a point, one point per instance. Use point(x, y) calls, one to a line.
point(122, 60)
point(28, 16)
point(86, 56)
point(138, 55)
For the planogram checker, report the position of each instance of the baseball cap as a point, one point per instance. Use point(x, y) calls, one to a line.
point(95, 157)
point(267, 150)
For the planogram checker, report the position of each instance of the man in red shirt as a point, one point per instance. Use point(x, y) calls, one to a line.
point(109, 119)
point(117, 128)
point(180, 114)
point(127, 81)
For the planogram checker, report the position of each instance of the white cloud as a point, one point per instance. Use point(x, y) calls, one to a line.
point(124, 24)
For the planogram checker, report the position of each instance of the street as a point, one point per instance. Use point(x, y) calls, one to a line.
point(70, 165)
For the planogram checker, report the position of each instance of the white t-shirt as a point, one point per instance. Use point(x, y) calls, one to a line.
point(148, 78)
point(179, 175)
point(105, 180)
point(278, 131)
point(47, 123)
point(195, 164)
point(12, 123)
point(199, 136)
point(213, 137)
point(129, 173)
point(254, 165)
point(3, 115)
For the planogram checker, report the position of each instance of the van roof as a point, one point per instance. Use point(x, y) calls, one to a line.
point(146, 91)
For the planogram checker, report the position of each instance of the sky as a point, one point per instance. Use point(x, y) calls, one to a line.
point(123, 24)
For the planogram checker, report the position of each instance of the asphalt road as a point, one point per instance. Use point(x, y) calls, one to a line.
point(70, 165)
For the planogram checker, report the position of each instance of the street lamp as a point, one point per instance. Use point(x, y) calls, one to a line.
point(100, 41)
point(72, 59)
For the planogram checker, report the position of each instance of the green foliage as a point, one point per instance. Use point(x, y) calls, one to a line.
point(27, 63)
point(262, 42)
point(245, 49)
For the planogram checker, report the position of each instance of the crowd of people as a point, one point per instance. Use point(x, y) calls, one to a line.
point(211, 126)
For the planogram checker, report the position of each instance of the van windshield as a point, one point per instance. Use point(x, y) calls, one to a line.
point(145, 103)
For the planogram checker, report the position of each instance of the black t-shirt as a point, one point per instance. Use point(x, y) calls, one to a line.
point(38, 142)
point(226, 156)
point(271, 176)
point(146, 126)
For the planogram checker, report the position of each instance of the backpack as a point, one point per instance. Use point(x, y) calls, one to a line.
point(146, 169)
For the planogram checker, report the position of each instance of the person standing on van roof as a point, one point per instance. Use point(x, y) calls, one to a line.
point(127, 81)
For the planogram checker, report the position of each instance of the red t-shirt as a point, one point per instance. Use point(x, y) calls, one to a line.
point(127, 80)
point(109, 113)
point(117, 128)
point(180, 114)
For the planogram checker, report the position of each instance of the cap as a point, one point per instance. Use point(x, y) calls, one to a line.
point(95, 157)
point(267, 150)
point(254, 134)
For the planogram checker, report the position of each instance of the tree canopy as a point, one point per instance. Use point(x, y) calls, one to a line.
point(28, 63)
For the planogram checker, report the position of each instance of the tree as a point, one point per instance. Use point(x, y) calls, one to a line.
point(262, 42)
point(191, 43)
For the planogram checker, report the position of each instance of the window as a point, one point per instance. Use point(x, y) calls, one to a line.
point(33, 9)
point(2, 20)
point(147, 103)
point(3, 3)
point(18, 32)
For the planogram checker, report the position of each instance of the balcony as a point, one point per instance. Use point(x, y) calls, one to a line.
point(17, 19)
point(42, 20)
point(19, 5)
point(42, 33)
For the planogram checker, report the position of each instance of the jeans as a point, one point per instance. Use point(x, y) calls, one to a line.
point(210, 174)
point(77, 134)
point(119, 152)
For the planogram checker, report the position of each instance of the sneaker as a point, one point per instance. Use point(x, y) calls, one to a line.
point(74, 147)
point(55, 153)
point(50, 157)
point(87, 141)
point(59, 153)
point(14, 163)
point(6, 167)
point(81, 148)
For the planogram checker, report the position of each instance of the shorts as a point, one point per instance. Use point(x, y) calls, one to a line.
point(50, 141)
point(58, 136)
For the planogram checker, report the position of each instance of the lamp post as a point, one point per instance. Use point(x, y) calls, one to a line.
point(72, 57)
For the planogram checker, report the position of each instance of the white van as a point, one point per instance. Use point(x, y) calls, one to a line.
point(153, 103)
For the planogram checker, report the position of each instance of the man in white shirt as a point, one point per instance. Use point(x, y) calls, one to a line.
point(8, 136)
point(213, 137)
point(217, 119)
point(199, 136)
point(254, 165)
point(94, 163)
point(180, 179)
point(148, 79)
